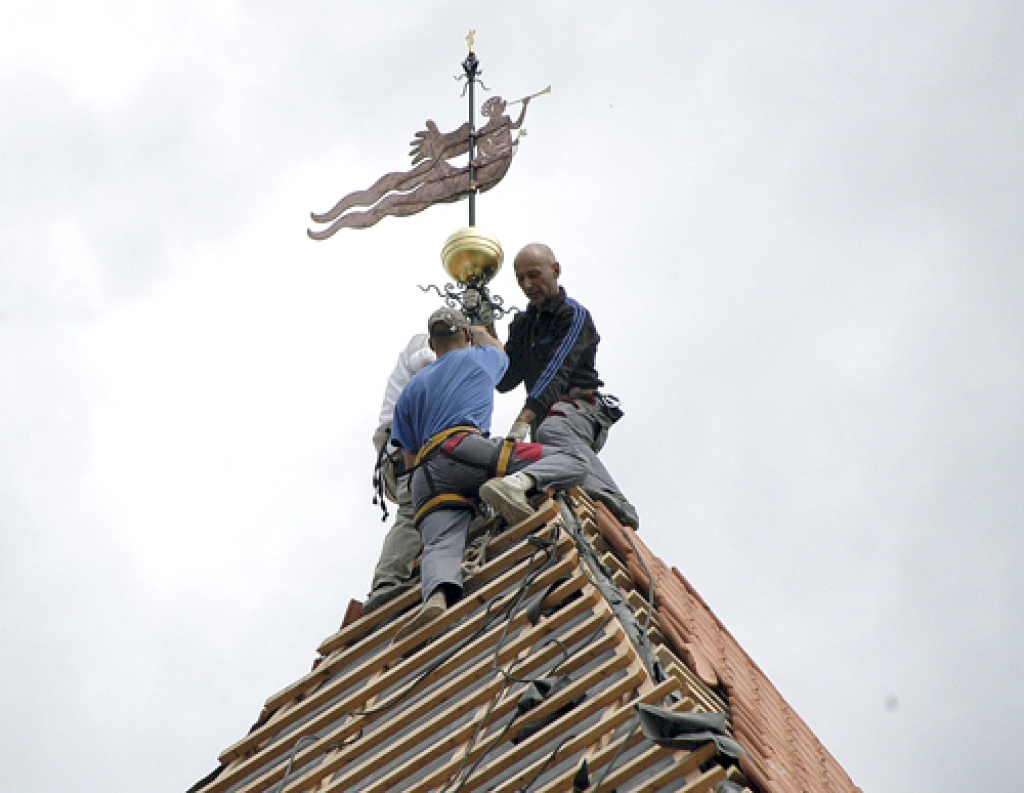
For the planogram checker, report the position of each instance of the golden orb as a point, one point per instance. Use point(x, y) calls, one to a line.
point(472, 255)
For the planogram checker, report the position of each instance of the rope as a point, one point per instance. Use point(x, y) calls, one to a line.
point(472, 567)
point(378, 481)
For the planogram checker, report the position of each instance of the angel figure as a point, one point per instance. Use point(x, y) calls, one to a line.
point(432, 180)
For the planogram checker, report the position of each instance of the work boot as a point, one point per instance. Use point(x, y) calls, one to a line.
point(624, 512)
point(433, 608)
point(507, 495)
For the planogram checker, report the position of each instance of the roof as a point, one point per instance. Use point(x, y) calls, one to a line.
point(783, 755)
point(534, 681)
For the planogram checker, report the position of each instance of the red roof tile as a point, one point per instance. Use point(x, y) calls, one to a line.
point(784, 756)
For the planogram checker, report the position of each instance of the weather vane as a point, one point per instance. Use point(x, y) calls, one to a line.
point(472, 256)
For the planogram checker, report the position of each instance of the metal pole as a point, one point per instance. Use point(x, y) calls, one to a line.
point(472, 168)
point(471, 66)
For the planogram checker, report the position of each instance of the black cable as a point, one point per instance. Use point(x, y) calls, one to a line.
point(544, 766)
point(614, 596)
point(549, 546)
point(650, 579)
point(524, 586)
point(309, 740)
point(528, 578)
point(504, 606)
point(615, 758)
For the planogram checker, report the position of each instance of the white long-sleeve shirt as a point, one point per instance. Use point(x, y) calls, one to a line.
point(416, 355)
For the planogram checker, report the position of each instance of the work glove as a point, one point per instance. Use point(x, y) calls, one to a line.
point(381, 436)
point(519, 432)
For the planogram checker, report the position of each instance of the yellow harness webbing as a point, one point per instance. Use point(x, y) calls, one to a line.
point(440, 438)
point(444, 499)
point(505, 457)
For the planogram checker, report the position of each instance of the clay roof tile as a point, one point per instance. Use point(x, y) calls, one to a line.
point(784, 755)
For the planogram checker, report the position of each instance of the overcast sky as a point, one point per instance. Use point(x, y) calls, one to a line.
point(799, 227)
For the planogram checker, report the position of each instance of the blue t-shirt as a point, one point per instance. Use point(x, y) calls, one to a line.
point(457, 389)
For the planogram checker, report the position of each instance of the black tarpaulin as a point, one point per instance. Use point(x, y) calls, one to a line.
point(686, 730)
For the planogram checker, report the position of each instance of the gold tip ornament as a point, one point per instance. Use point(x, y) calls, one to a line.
point(472, 256)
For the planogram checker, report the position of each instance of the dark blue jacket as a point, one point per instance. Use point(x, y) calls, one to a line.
point(551, 349)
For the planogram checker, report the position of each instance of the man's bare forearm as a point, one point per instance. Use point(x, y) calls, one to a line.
point(482, 337)
point(526, 416)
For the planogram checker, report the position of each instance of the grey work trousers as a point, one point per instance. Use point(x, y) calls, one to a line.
point(444, 531)
point(402, 542)
point(578, 425)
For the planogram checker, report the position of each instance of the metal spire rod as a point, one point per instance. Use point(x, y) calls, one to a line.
point(471, 66)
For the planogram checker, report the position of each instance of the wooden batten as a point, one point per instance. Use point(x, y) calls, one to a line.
point(417, 714)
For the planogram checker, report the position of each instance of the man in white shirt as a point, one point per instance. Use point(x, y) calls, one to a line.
point(394, 570)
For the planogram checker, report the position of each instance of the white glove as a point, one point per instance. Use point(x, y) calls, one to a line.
point(519, 432)
point(381, 436)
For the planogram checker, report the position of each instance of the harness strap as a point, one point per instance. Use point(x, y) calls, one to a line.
point(425, 454)
point(440, 438)
point(447, 500)
point(508, 448)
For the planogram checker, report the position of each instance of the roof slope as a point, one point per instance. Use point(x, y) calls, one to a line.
point(783, 755)
point(532, 682)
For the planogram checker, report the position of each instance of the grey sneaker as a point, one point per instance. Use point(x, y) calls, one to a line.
point(508, 498)
point(433, 608)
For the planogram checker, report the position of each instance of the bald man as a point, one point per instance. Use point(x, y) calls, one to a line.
point(552, 349)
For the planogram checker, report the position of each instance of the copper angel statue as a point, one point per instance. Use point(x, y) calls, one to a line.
point(433, 180)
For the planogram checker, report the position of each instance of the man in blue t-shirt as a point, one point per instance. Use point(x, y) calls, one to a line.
point(441, 422)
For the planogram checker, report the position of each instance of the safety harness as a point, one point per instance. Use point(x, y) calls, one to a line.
point(445, 443)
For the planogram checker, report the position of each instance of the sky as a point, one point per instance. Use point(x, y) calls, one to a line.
point(799, 228)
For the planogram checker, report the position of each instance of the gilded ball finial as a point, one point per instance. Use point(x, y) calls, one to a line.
point(472, 256)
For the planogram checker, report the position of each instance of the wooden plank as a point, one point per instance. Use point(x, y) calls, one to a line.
point(693, 684)
point(450, 742)
point(357, 699)
point(545, 736)
point(705, 781)
point(734, 774)
point(547, 513)
point(365, 625)
point(340, 648)
point(483, 775)
point(641, 610)
point(598, 758)
point(622, 581)
point(585, 739)
point(686, 763)
point(390, 753)
point(395, 651)
point(600, 545)
point(583, 501)
point(635, 768)
point(418, 708)
point(611, 561)
point(362, 626)
point(452, 615)
point(689, 685)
